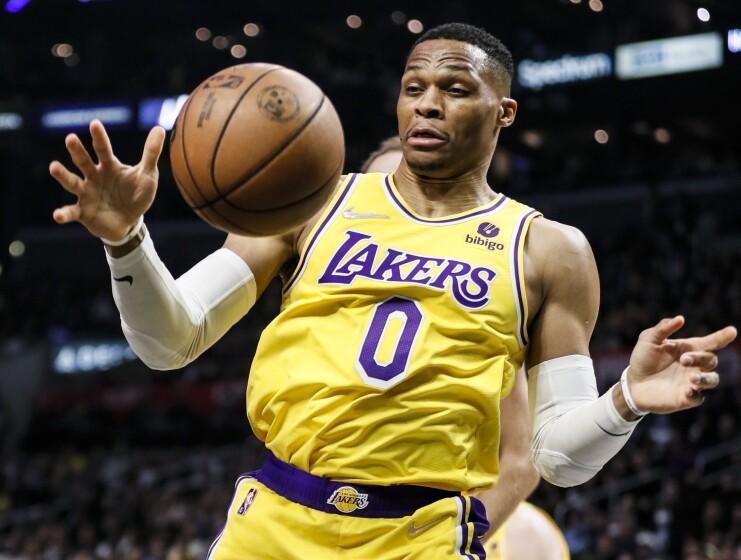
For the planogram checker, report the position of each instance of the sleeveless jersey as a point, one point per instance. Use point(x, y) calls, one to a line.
point(397, 336)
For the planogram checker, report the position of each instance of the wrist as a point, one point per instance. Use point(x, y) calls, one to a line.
point(123, 246)
point(623, 399)
point(130, 233)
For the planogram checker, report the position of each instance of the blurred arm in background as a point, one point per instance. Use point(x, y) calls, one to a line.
point(517, 475)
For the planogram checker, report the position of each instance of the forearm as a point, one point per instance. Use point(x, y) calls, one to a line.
point(169, 322)
point(575, 432)
point(517, 481)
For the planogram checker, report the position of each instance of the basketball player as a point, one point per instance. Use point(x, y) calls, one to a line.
point(414, 299)
point(518, 530)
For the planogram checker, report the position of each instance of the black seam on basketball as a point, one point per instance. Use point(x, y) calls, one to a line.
point(246, 231)
point(226, 125)
point(227, 220)
point(264, 164)
point(185, 154)
point(297, 201)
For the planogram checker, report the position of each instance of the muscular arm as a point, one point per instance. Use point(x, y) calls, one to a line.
point(517, 476)
point(574, 432)
point(176, 321)
point(169, 322)
point(563, 265)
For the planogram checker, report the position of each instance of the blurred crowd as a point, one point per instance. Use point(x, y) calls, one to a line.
point(158, 503)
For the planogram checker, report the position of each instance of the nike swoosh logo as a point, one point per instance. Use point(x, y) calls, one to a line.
point(350, 215)
point(129, 279)
point(414, 531)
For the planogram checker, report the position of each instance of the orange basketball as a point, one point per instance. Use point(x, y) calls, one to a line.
point(257, 149)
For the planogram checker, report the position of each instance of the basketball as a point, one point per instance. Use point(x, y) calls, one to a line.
point(257, 149)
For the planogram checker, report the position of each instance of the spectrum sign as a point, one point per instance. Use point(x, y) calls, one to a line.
point(566, 69)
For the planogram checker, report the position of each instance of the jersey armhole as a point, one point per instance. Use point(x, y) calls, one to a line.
point(518, 275)
point(344, 186)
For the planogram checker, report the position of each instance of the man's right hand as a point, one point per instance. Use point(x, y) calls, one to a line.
point(111, 196)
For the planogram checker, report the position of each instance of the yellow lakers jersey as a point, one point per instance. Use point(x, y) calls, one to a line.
point(397, 336)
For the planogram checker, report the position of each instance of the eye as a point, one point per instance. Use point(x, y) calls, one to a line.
point(411, 89)
point(457, 91)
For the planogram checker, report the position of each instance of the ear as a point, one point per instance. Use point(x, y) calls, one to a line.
point(507, 112)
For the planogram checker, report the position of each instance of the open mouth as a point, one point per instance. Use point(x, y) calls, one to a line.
point(426, 137)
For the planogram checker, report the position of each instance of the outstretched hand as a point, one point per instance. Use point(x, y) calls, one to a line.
point(667, 375)
point(111, 196)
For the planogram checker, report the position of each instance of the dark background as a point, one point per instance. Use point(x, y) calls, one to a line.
point(120, 462)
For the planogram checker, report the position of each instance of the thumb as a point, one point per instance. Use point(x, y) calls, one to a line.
point(663, 329)
point(153, 149)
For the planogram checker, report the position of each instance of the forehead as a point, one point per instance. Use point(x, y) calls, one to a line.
point(440, 53)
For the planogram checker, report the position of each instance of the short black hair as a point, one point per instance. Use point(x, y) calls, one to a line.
point(498, 53)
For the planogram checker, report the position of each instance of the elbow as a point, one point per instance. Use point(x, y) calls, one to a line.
point(153, 353)
point(559, 470)
point(160, 365)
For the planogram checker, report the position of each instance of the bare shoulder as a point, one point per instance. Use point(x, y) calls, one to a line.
point(554, 250)
point(551, 240)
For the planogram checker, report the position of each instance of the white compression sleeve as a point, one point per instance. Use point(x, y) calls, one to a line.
point(169, 323)
point(575, 433)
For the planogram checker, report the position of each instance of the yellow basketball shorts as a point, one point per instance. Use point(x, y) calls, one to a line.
point(280, 512)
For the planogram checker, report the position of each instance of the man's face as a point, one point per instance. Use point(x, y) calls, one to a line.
point(447, 108)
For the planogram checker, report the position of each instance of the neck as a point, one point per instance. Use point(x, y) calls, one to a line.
point(432, 198)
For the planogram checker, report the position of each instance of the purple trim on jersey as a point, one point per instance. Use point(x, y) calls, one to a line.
point(464, 530)
point(457, 219)
point(520, 300)
point(477, 516)
point(310, 244)
point(316, 492)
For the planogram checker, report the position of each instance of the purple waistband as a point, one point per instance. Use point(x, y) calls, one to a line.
point(356, 500)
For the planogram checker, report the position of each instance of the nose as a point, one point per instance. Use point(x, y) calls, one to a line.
point(429, 105)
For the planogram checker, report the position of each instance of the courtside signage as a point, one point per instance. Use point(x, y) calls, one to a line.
point(161, 111)
point(734, 40)
point(10, 121)
point(90, 356)
point(669, 56)
point(79, 116)
point(566, 69)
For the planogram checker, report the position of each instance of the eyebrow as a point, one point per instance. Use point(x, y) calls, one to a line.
point(450, 66)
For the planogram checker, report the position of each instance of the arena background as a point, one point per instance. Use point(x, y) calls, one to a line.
point(638, 145)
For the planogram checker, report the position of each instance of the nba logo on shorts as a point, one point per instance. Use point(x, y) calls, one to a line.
point(248, 499)
point(487, 229)
point(346, 499)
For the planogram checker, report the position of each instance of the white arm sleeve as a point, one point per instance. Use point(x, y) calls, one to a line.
point(169, 323)
point(575, 433)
